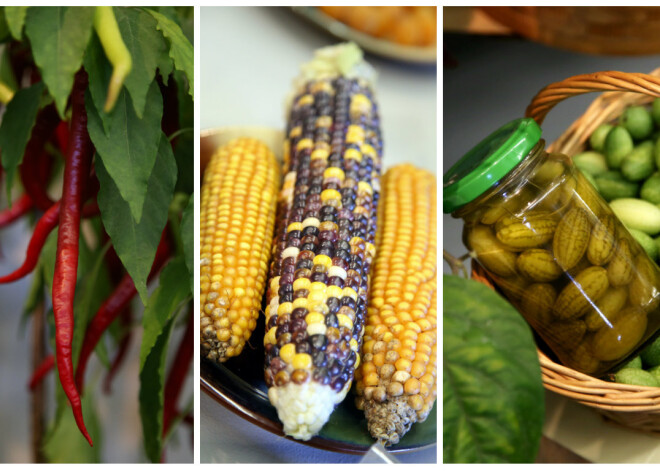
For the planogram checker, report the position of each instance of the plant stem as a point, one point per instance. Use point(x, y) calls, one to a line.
point(456, 263)
point(38, 395)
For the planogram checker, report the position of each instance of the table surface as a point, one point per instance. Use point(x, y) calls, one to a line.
point(492, 82)
point(249, 57)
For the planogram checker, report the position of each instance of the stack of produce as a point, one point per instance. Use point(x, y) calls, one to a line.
point(323, 228)
point(623, 163)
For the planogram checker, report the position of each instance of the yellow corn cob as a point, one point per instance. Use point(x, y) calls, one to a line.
point(317, 290)
point(396, 383)
point(236, 228)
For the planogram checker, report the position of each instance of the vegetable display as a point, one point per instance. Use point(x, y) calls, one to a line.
point(556, 250)
point(622, 163)
point(97, 134)
point(323, 226)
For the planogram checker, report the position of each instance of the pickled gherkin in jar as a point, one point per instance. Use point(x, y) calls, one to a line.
point(555, 249)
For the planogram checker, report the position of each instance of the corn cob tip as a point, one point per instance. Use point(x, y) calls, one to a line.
point(389, 421)
point(340, 60)
point(304, 409)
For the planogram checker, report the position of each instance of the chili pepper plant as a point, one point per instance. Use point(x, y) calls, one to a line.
point(96, 144)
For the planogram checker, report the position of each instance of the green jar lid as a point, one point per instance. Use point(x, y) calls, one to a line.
point(488, 162)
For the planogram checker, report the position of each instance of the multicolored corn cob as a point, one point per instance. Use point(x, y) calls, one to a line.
point(323, 249)
point(396, 383)
point(237, 217)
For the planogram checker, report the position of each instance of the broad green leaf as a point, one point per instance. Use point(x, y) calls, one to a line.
point(188, 238)
point(59, 37)
point(5, 35)
point(146, 45)
point(15, 17)
point(136, 243)
point(184, 152)
point(6, 73)
point(16, 127)
point(99, 70)
point(130, 146)
point(493, 399)
point(91, 291)
point(63, 443)
point(152, 392)
point(163, 304)
point(181, 50)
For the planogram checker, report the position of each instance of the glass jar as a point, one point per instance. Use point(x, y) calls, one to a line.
point(555, 249)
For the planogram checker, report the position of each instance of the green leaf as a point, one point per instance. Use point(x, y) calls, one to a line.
point(35, 294)
point(63, 443)
point(16, 127)
point(152, 392)
point(130, 146)
point(6, 72)
point(59, 37)
point(91, 291)
point(99, 70)
point(181, 50)
point(136, 243)
point(188, 238)
point(147, 47)
point(184, 152)
point(15, 17)
point(4, 28)
point(163, 304)
point(493, 399)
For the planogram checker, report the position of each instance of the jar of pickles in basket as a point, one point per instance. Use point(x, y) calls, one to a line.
point(554, 248)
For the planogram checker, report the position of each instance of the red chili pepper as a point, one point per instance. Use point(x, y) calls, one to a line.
point(112, 307)
point(36, 167)
point(42, 370)
point(20, 208)
point(76, 172)
point(178, 373)
point(42, 230)
point(44, 226)
point(126, 319)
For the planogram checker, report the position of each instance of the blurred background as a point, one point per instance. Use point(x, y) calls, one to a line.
point(249, 58)
point(495, 59)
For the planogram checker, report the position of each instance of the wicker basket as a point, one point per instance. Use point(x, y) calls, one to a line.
point(635, 407)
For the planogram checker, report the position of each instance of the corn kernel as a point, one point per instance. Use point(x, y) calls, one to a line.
point(371, 379)
point(403, 365)
point(301, 283)
point(305, 100)
point(288, 352)
point(353, 154)
point(284, 308)
point(314, 318)
point(320, 154)
point(334, 172)
point(304, 144)
point(344, 321)
point(323, 260)
point(301, 361)
point(416, 402)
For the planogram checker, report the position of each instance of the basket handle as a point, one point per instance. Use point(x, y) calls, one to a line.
point(554, 93)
